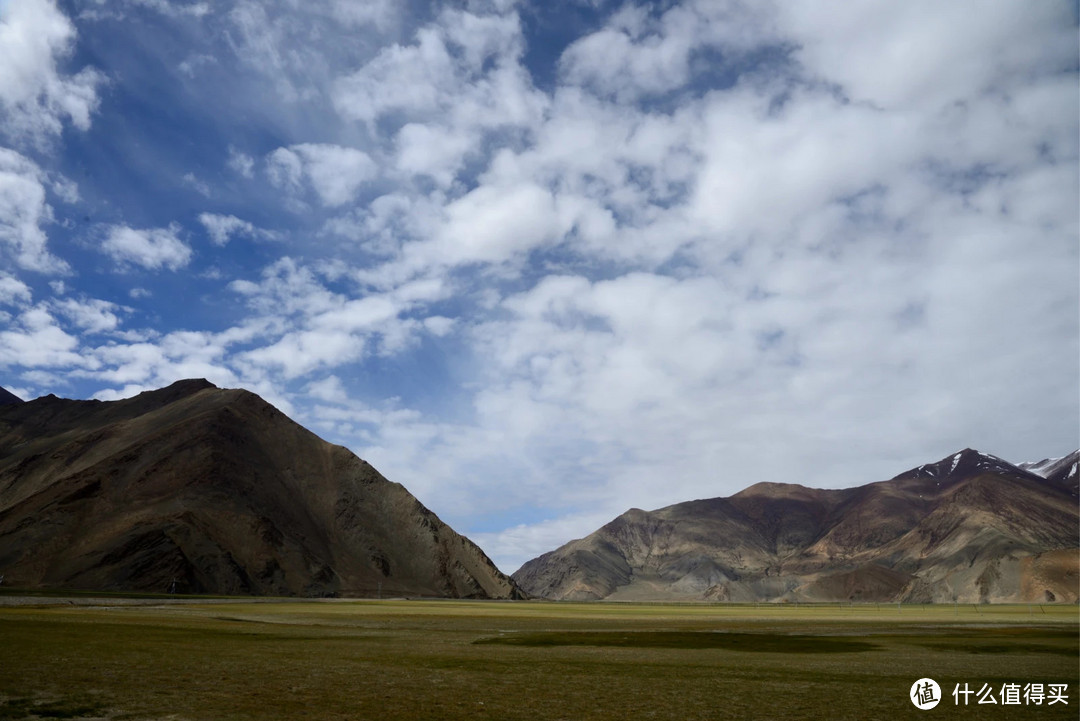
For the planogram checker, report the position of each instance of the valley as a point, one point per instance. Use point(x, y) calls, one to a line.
point(398, 659)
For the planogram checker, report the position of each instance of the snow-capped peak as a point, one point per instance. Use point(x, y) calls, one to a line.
point(1040, 468)
point(965, 462)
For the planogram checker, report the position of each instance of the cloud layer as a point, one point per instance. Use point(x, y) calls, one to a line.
point(539, 276)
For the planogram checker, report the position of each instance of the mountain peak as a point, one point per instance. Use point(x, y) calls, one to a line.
point(969, 526)
point(169, 394)
point(208, 490)
point(1048, 467)
point(7, 398)
point(962, 464)
point(185, 387)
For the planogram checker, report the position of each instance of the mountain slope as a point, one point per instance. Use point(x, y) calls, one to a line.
point(1061, 472)
point(8, 398)
point(970, 527)
point(198, 489)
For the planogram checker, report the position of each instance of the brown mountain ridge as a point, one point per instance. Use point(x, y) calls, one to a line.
point(969, 528)
point(197, 489)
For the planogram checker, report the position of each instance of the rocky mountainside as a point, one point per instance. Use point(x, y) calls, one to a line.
point(197, 489)
point(1061, 472)
point(969, 528)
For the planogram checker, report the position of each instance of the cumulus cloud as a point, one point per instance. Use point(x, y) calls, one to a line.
point(36, 340)
point(793, 250)
point(335, 173)
point(641, 53)
point(461, 80)
point(916, 55)
point(193, 9)
point(91, 315)
point(241, 163)
point(13, 291)
point(379, 13)
point(725, 243)
point(278, 42)
point(152, 249)
point(23, 211)
point(35, 97)
point(310, 327)
point(490, 225)
point(221, 228)
point(199, 186)
point(627, 60)
point(432, 151)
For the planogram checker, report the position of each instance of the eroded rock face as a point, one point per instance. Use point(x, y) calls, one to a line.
point(196, 489)
point(969, 528)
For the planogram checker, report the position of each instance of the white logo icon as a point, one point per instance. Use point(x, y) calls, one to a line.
point(925, 693)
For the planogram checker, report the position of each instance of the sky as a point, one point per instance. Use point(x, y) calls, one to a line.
point(544, 262)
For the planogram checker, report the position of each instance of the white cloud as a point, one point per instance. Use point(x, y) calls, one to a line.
point(921, 54)
point(13, 291)
point(461, 80)
point(729, 243)
point(300, 352)
point(153, 248)
point(636, 55)
point(379, 13)
point(625, 59)
point(294, 46)
point(329, 389)
point(241, 163)
point(199, 186)
point(65, 189)
point(37, 341)
point(433, 151)
point(336, 173)
point(158, 360)
point(510, 548)
point(35, 98)
point(259, 41)
point(223, 227)
point(490, 225)
point(23, 211)
point(285, 168)
point(311, 328)
point(90, 315)
point(410, 79)
point(191, 65)
point(175, 9)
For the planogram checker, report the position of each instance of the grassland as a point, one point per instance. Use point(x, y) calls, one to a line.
point(451, 660)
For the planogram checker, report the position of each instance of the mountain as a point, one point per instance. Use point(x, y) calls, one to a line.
point(197, 489)
point(970, 527)
point(7, 398)
point(1058, 471)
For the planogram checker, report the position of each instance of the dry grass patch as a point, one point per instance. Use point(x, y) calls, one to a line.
point(449, 660)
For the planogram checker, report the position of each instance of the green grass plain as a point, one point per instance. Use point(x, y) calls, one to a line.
point(524, 660)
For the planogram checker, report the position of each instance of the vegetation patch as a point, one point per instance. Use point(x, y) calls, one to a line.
point(1061, 643)
point(752, 642)
point(29, 708)
point(409, 660)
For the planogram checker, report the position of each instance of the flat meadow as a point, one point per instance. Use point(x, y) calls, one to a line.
point(123, 658)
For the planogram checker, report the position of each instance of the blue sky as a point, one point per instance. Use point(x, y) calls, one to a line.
point(543, 262)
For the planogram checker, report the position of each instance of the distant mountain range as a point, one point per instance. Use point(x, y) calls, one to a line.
point(970, 528)
point(196, 489)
